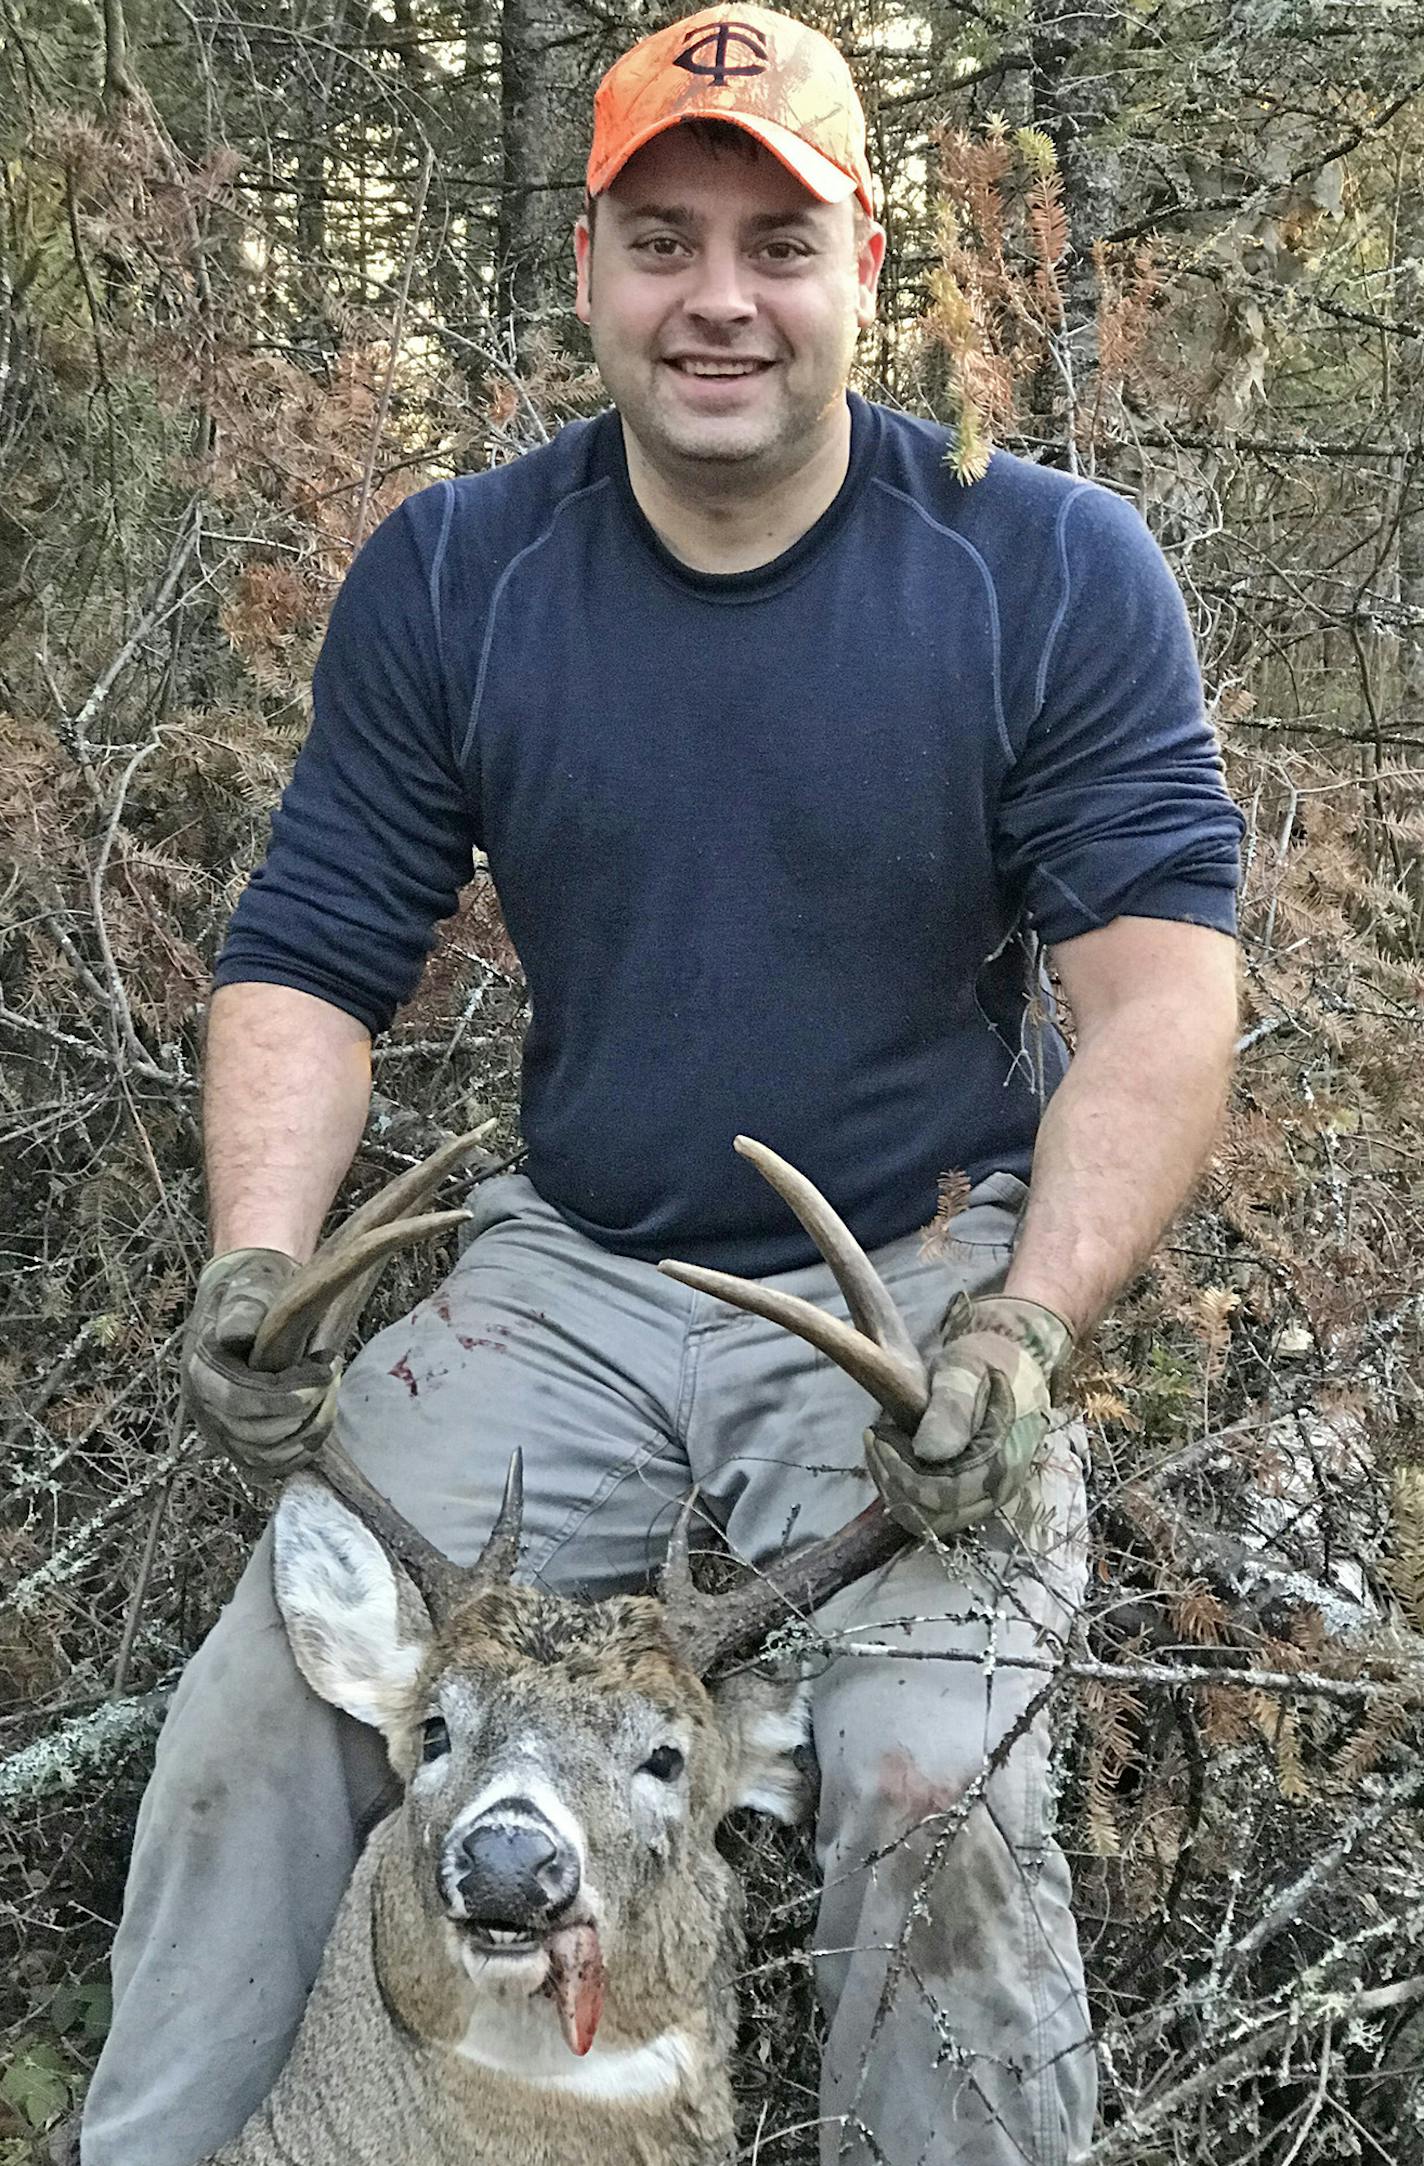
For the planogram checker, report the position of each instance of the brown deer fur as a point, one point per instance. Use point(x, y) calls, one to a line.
point(416, 2047)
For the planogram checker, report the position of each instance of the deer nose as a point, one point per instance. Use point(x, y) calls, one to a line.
point(513, 1875)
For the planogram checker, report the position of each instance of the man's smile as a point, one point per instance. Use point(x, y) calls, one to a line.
point(725, 369)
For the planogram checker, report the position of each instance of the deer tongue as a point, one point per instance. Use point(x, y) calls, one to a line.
point(575, 1983)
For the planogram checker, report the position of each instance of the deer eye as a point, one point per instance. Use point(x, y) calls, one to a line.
point(434, 1738)
point(665, 1761)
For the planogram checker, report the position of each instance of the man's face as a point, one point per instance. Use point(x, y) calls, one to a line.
point(724, 302)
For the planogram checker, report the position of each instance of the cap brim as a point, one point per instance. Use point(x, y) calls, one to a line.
point(811, 167)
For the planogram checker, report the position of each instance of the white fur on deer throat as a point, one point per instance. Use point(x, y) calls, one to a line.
point(517, 1784)
point(522, 2040)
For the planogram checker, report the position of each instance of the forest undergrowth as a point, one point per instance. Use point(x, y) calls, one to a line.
point(1241, 1714)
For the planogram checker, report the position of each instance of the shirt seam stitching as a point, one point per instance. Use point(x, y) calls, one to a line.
point(437, 567)
point(1060, 539)
point(991, 595)
point(590, 489)
point(1046, 872)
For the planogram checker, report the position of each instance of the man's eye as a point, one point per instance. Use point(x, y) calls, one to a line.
point(665, 1761)
point(434, 1738)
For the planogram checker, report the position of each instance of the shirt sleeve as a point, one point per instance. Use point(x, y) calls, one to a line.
point(1116, 804)
point(374, 835)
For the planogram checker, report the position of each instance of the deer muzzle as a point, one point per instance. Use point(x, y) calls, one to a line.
point(513, 1885)
point(511, 1874)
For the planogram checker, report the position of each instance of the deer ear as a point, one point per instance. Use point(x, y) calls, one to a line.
point(357, 1626)
point(767, 1724)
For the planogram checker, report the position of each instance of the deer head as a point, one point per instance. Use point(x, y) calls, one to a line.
point(565, 1765)
point(564, 1769)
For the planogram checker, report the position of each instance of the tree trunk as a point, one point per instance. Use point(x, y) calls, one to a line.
point(1408, 303)
point(1074, 99)
point(530, 218)
point(311, 116)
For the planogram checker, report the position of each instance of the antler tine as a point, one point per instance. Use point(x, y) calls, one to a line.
point(881, 1355)
point(500, 1555)
point(900, 1390)
point(688, 1612)
point(677, 1585)
point(301, 1310)
point(866, 1294)
point(408, 1193)
point(443, 1583)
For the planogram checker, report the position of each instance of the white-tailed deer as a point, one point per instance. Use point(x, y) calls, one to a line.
point(535, 1962)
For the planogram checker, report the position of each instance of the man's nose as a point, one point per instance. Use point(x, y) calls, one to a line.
point(720, 292)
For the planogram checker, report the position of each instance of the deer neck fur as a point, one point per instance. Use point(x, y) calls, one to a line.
point(402, 2061)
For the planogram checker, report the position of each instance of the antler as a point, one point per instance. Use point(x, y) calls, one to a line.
point(314, 1315)
point(879, 1353)
point(321, 1304)
point(444, 1584)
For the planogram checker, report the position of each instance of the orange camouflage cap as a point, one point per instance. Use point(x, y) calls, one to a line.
point(777, 78)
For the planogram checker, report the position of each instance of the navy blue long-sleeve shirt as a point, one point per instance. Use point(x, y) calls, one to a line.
point(765, 842)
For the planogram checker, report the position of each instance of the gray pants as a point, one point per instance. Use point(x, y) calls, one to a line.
point(957, 2024)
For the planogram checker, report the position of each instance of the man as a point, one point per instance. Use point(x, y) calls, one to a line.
point(779, 742)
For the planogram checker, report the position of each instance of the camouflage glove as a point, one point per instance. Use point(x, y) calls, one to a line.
point(990, 1392)
point(269, 1424)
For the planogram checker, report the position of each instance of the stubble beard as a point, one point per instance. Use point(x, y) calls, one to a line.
point(765, 446)
point(692, 440)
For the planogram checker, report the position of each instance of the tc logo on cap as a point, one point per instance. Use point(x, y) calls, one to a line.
point(717, 42)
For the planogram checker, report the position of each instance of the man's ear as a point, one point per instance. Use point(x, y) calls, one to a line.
point(583, 266)
point(870, 260)
point(766, 1721)
point(357, 1626)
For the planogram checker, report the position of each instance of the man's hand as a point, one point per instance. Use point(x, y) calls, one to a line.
point(991, 1388)
point(270, 1424)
